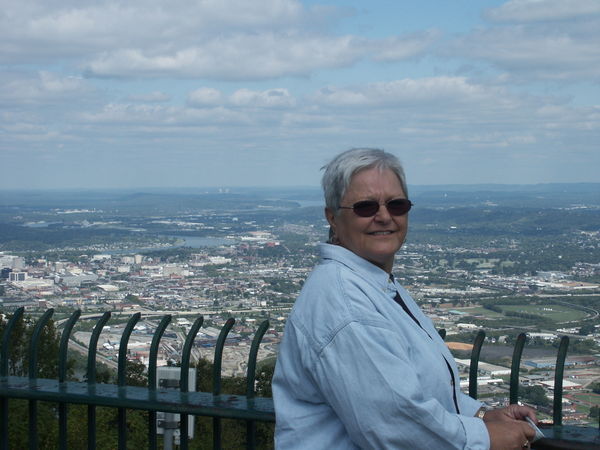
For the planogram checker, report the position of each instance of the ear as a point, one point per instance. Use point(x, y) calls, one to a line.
point(332, 239)
point(330, 216)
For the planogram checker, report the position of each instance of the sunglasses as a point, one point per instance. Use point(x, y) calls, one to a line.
point(368, 208)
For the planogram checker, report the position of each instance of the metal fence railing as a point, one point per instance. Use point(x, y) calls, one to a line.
point(218, 406)
point(558, 436)
point(152, 398)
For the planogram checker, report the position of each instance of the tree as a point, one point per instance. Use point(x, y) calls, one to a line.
point(17, 346)
point(264, 378)
point(135, 373)
point(535, 395)
point(586, 329)
point(47, 367)
point(48, 345)
point(132, 299)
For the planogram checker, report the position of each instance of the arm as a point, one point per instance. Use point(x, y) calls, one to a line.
point(366, 377)
point(469, 406)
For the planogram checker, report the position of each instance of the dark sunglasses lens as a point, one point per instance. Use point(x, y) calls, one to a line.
point(398, 207)
point(367, 208)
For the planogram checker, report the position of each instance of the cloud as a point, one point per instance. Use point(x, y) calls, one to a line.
point(542, 10)
point(43, 87)
point(533, 40)
point(535, 55)
point(151, 97)
point(68, 29)
point(256, 56)
point(224, 40)
point(242, 100)
point(126, 117)
point(233, 57)
point(398, 48)
point(204, 96)
point(272, 98)
point(424, 92)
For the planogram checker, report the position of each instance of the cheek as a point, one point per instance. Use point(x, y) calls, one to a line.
point(402, 223)
point(349, 231)
point(403, 227)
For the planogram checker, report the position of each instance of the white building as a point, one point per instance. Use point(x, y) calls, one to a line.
point(75, 280)
point(11, 262)
point(17, 276)
point(101, 257)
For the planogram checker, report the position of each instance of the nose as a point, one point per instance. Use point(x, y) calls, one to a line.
point(382, 214)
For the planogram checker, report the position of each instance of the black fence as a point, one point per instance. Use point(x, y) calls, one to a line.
point(174, 398)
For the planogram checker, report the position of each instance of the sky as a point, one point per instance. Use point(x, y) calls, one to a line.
point(226, 93)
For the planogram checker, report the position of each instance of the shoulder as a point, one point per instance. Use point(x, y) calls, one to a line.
point(333, 296)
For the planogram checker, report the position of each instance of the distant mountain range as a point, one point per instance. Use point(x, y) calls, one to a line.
point(551, 195)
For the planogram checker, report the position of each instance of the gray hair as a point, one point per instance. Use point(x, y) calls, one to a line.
point(340, 170)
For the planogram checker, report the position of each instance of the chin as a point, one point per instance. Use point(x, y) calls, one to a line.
point(380, 261)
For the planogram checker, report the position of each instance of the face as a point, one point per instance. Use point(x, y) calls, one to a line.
point(377, 238)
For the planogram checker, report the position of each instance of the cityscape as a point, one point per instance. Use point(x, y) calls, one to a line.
point(472, 264)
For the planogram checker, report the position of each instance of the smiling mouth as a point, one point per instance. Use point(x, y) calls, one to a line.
point(380, 233)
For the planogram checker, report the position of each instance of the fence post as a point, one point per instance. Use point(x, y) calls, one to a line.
point(217, 364)
point(184, 378)
point(152, 444)
point(250, 379)
point(121, 372)
point(474, 365)
point(91, 377)
point(33, 354)
point(559, 371)
point(62, 376)
point(514, 368)
point(17, 315)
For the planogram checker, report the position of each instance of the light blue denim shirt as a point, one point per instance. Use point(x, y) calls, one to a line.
point(355, 371)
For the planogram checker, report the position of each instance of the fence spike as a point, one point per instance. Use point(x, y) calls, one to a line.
point(184, 377)
point(4, 349)
point(158, 333)
point(474, 365)
point(217, 364)
point(121, 381)
point(18, 314)
point(250, 380)
point(62, 375)
point(514, 368)
point(64, 345)
point(559, 371)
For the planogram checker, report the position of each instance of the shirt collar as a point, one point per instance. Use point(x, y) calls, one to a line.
point(358, 264)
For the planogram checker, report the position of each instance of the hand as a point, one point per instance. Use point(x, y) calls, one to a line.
point(510, 413)
point(509, 434)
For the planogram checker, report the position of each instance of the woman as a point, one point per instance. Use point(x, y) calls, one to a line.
point(360, 366)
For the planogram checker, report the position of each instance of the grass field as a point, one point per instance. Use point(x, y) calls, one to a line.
point(556, 313)
point(478, 310)
point(488, 263)
point(594, 399)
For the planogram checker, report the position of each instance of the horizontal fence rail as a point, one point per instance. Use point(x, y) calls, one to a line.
point(177, 399)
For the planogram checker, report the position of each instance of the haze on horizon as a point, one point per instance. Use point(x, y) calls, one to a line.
point(112, 94)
